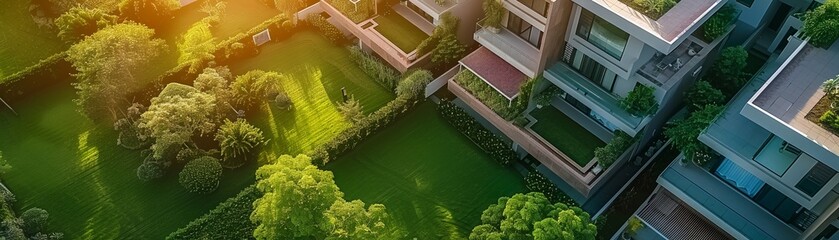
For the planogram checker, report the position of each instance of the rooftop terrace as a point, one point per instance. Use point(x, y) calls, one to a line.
point(496, 72)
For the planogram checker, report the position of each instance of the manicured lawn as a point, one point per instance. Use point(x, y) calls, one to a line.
point(400, 31)
point(72, 167)
point(22, 42)
point(432, 179)
point(317, 71)
point(566, 135)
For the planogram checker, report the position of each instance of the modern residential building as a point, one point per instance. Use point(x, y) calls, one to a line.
point(777, 174)
point(767, 24)
point(591, 53)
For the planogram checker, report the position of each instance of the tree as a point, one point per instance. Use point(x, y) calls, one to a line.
point(201, 175)
point(821, 24)
point(685, 133)
point(149, 171)
point(121, 51)
point(216, 81)
point(351, 110)
point(196, 46)
point(349, 220)
point(11, 229)
point(150, 12)
point(448, 51)
point(80, 21)
point(237, 140)
point(702, 94)
point(413, 86)
point(640, 101)
point(532, 216)
point(728, 72)
point(176, 115)
point(34, 220)
point(443, 44)
point(295, 196)
point(255, 87)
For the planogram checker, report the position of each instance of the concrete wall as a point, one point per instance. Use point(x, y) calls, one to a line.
point(469, 12)
point(756, 14)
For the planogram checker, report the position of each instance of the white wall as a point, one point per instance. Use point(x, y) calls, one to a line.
point(756, 14)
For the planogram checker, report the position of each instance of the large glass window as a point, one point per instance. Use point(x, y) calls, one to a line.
point(524, 30)
point(602, 34)
point(594, 71)
point(539, 6)
point(815, 179)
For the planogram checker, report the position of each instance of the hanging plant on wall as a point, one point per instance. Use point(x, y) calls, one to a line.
point(640, 101)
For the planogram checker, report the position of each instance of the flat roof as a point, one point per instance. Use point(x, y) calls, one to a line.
point(674, 220)
point(796, 88)
point(496, 72)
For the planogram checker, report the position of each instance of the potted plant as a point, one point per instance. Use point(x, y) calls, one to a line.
point(632, 226)
point(494, 12)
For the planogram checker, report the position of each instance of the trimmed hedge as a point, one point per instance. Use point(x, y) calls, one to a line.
point(371, 65)
point(46, 72)
point(328, 30)
point(229, 220)
point(486, 140)
point(610, 153)
point(536, 182)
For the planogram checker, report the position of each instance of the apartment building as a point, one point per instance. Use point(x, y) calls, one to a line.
point(767, 24)
point(777, 174)
point(591, 53)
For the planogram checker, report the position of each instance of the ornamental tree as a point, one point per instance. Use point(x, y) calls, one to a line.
point(640, 101)
point(728, 72)
point(703, 94)
point(349, 220)
point(295, 196)
point(532, 216)
point(685, 133)
point(201, 175)
point(174, 116)
point(237, 141)
point(216, 81)
point(121, 52)
point(79, 22)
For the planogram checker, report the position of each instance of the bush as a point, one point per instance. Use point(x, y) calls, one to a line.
point(381, 72)
point(228, 220)
point(255, 88)
point(702, 94)
point(237, 141)
point(196, 46)
point(148, 12)
point(364, 11)
point(684, 134)
point(351, 110)
point(35, 220)
point(326, 29)
point(821, 24)
point(486, 94)
point(149, 171)
point(414, 84)
point(655, 8)
point(493, 12)
point(640, 101)
point(830, 119)
point(80, 21)
point(536, 182)
point(282, 101)
point(201, 175)
point(610, 153)
point(443, 44)
point(728, 73)
point(486, 140)
point(718, 23)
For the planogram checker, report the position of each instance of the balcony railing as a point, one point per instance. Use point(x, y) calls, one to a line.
point(510, 47)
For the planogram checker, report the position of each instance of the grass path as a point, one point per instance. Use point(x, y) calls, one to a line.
point(432, 179)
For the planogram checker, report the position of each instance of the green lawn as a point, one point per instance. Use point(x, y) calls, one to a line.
point(400, 31)
point(566, 135)
point(432, 179)
point(71, 167)
point(22, 42)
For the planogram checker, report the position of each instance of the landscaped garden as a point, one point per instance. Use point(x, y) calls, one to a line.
point(565, 134)
point(23, 42)
point(400, 31)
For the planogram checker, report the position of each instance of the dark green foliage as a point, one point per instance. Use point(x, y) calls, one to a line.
point(327, 29)
point(201, 175)
point(718, 23)
point(702, 94)
point(728, 72)
point(684, 134)
point(532, 216)
point(443, 44)
point(35, 220)
point(488, 141)
point(149, 12)
point(381, 72)
point(449, 50)
point(640, 101)
point(414, 84)
point(610, 153)
point(493, 12)
point(655, 8)
point(821, 24)
point(149, 171)
point(237, 141)
point(229, 220)
point(79, 22)
point(536, 182)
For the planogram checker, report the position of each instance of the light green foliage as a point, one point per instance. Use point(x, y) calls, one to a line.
point(196, 46)
point(608, 154)
point(149, 12)
point(728, 72)
point(122, 52)
point(821, 24)
point(295, 196)
point(413, 86)
point(176, 115)
point(489, 96)
point(351, 110)
point(633, 225)
point(640, 101)
point(493, 12)
point(702, 94)
point(684, 134)
point(255, 87)
point(201, 175)
point(4, 165)
point(290, 7)
point(35, 220)
point(531, 215)
point(237, 141)
point(349, 220)
point(383, 74)
point(79, 22)
point(215, 10)
point(718, 23)
point(656, 8)
point(831, 89)
point(216, 81)
point(363, 12)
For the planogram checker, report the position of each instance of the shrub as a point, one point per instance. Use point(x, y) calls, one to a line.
point(728, 72)
point(443, 44)
point(655, 8)
point(129, 132)
point(493, 12)
point(821, 24)
point(201, 175)
point(326, 29)
point(196, 46)
point(414, 84)
point(148, 12)
point(640, 101)
point(610, 153)
point(255, 87)
point(486, 140)
point(486, 94)
point(237, 141)
point(830, 119)
point(358, 12)
point(702, 94)
point(718, 23)
point(35, 220)
point(684, 134)
point(80, 21)
point(150, 171)
point(381, 72)
point(351, 110)
point(536, 182)
point(228, 220)
point(831, 89)
point(282, 101)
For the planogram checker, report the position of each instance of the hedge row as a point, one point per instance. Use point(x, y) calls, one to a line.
point(46, 72)
point(536, 182)
point(383, 73)
point(470, 127)
point(229, 220)
point(322, 25)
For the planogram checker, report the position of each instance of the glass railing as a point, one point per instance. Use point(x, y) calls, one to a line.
point(593, 92)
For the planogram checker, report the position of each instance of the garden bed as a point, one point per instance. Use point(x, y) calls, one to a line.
point(566, 135)
point(654, 15)
point(400, 31)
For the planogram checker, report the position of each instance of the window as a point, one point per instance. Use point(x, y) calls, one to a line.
point(539, 6)
point(594, 71)
point(747, 3)
point(524, 30)
point(602, 34)
point(815, 180)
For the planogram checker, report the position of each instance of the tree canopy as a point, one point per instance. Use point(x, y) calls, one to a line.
point(685, 133)
point(821, 24)
point(176, 115)
point(532, 216)
point(201, 175)
point(349, 220)
point(79, 22)
point(150, 12)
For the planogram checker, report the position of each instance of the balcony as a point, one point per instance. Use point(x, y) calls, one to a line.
point(511, 48)
point(433, 9)
point(666, 70)
point(599, 100)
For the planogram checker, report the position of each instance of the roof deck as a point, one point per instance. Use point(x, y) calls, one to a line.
point(672, 219)
point(496, 72)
